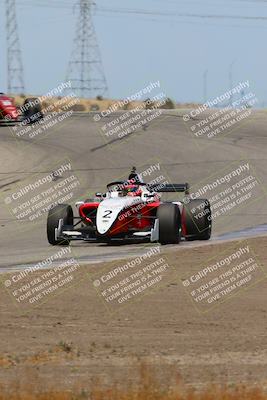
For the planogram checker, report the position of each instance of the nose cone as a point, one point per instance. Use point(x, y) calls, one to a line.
point(11, 113)
point(14, 114)
point(109, 210)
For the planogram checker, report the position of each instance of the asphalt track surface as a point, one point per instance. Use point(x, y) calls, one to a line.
point(97, 159)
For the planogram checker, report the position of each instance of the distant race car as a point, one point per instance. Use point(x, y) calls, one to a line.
point(8, 110)
point(30, 111)
point(131, 210)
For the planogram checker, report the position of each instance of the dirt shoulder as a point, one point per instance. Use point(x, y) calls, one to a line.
point(76, 335)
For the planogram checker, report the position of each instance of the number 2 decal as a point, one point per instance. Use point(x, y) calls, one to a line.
point(107, 214)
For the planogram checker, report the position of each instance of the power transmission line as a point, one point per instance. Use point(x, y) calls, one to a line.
point(113, 10)
point(177, 14)
point(15, 74)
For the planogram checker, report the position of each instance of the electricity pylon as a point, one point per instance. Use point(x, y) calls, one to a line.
point(85, 70)
point(15, 74)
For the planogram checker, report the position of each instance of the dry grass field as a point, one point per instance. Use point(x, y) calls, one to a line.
point(159, 347)
point(147, 388)
point(87, 105)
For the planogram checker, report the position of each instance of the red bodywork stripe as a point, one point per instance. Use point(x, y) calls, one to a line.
point(184, 231)
point(88, 207)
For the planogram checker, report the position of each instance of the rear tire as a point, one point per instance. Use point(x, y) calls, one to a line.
point(169, 223)
point(197, 220)
point(34, 111)
point(61, 211)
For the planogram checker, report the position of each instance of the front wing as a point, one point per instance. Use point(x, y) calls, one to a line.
point(90, 234)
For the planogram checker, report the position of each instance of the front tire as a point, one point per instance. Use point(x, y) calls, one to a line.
point(61, 211)
point(169, 223)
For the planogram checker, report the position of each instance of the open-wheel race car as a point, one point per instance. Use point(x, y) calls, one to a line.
point(132, 210)
point(29, 112)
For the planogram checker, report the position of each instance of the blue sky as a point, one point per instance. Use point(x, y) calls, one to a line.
point(139, 49)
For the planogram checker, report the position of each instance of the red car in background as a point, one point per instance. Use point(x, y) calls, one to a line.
point(30, 112)
point(8, 110)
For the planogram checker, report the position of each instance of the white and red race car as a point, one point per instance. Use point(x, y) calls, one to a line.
point(132, 210)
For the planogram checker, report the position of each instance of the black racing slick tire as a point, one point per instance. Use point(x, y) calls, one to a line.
point(32, 110)
point(169, 223)
point(197, 220)
point(61, 211)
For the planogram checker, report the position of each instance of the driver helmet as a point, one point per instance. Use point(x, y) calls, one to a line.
point(132, 190)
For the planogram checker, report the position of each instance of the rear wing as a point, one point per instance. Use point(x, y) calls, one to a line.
point(170, 188)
